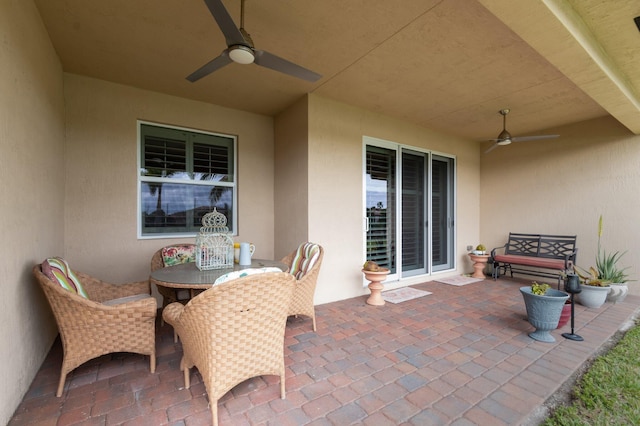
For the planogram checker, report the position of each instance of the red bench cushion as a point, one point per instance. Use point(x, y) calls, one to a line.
point(539, 262)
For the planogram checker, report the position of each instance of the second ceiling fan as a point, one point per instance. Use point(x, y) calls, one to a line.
point(505, 138)
point(240, 49)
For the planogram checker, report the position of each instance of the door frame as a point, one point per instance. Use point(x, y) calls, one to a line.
point(398, 148)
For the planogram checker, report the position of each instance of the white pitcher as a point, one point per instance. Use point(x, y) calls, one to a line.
point(246, 251)
point(236, 251)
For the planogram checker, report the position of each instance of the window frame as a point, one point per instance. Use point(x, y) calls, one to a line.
point(231, 183)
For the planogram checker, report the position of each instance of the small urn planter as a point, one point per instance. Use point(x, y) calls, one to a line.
point(375, 279)
point(543, 312)
point(479, 263)
point(593, 296)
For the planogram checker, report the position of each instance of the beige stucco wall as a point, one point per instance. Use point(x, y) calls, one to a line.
point(31, 190)
point(101, 190)
point(291, 181)
point(335, 198)
point(562, 186)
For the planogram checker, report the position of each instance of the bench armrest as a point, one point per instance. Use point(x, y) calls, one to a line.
point(493, 251)
point(570, 260)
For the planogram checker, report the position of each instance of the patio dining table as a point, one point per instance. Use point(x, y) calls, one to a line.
point(187, 276)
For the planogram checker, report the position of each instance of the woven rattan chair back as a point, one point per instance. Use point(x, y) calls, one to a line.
point(89, 329)
point(234, 331)
point(169, 295)
point(305, 289)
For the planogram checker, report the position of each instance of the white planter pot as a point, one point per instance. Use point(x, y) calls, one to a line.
point(618, 292)
point(592, 296)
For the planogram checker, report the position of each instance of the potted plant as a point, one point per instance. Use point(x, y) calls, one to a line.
point(544, 306)
point(608, 269)
point(480, 250)
point(606, 281)
point(375, 274)
point(594, 289)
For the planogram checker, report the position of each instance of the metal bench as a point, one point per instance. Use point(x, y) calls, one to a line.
point(548, 256)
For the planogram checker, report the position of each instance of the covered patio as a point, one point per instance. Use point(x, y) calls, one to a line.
point(459, 356)
point(80, 77)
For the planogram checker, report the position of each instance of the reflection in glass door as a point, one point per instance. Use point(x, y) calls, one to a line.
point(381, 206)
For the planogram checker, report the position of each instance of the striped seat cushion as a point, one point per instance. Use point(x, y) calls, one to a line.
point(58, 270)
point(306, 256)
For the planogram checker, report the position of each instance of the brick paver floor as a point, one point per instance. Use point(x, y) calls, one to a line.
point(460, 356)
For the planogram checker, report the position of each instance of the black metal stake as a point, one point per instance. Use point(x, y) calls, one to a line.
point(572, 335)
point(572, 286)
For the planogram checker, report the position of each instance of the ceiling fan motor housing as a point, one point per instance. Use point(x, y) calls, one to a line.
point(504, 138)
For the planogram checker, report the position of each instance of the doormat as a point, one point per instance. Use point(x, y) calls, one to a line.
point(459, 280)
point(403, 294)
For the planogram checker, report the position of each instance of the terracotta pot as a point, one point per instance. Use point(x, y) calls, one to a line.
point(565, 315)
point(375, 285)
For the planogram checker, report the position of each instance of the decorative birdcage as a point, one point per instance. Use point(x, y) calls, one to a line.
point(214, 245)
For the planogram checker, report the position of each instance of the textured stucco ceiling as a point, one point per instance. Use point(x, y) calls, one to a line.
point(449, 65)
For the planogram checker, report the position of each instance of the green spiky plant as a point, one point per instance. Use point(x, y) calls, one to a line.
point(606, 270)
point(607, 264)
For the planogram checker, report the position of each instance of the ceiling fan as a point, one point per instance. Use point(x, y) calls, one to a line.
point(240, 49)
point(505, 138)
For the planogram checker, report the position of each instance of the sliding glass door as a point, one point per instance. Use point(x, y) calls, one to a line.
point(414, 213)
point(409, 209)
point(442, 207)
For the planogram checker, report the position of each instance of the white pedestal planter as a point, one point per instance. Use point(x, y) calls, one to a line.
point(617, 293)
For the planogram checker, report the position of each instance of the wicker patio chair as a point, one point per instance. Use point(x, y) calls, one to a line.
point(234, 331)
point(171, 295)
point(304, 263)
point(113, 318)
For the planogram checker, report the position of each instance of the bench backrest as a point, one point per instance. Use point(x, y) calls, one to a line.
point(538, 245)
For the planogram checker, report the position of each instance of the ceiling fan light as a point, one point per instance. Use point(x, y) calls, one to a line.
point(241, 54)
point(504, 138)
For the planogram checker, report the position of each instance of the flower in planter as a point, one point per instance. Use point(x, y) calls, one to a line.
point(539, 288)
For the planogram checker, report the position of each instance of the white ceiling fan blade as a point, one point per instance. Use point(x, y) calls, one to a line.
point(491, 148)
point(211, 66)
point(276, 63)
point(231, 33)
point(532, 138)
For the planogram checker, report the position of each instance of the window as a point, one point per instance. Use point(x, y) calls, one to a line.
point(183, 175)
